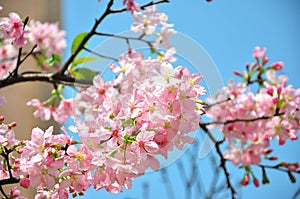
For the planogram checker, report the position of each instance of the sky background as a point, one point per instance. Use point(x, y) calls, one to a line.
point(228, 31)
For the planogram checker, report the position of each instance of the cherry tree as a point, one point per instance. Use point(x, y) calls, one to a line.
point(146, 111)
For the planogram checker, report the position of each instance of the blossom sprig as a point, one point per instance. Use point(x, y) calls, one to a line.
point(250, 121)
point(56, 106)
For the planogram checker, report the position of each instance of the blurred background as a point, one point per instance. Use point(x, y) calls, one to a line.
point(228, 31)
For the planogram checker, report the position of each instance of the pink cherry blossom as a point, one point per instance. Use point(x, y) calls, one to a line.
point(49, 38)
point(42, 112)
point(13, 29)
point(259, 52)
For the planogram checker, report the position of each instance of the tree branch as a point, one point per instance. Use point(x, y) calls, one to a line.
point(241, 120)
point(142, 6)
point(45, 77)
point(222, 159)
point(88, 36)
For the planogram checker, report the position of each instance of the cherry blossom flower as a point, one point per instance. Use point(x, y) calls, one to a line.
point(12, 28)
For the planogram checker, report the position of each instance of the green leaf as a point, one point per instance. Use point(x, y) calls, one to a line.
point(82, 60)
point(84, 73)
point(280, 103)
point(54, 59)
point(128, 139)
point(77, 41)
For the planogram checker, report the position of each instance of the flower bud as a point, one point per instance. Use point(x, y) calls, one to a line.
point(25, 182)
point(237, 73)
point(273, 158)
point(256, 182)
point(279, 89)
point(270, 90)
point(245, 180)
point(277, 65)
point(265, 60)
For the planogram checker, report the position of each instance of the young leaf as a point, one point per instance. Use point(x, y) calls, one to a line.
point(84, 73)
point(54, 59)
point(82, 60)
point(77, 41)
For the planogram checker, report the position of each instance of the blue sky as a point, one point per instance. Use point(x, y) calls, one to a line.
point(228, 31)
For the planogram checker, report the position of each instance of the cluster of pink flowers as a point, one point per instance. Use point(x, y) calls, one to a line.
point(147, 110)
point(14, 34)
point(45, 110)
point(8, 55)
point(124, 124)
point(148, 21)
point(12, 29)
point(271, 113)
point(49, 39)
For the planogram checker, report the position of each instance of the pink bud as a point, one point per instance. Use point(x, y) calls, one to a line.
point(13, 124)
point(270, 90)
point(245, 180)
point(25, 182)
point(1, 118)
point(237, 73)
point(269, 151)
point(275, 100)
point(265, 60)
point(292, 168)
point(279, 89)
point(277, 65)
point(273, 158)
point(256, 182)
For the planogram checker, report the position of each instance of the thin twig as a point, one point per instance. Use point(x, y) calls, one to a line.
point(142, 6)
point(3, 192)
point(241, 120)
point(222, 159)
point(99, 55)
point(126, 38)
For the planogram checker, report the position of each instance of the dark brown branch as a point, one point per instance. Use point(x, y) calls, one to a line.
point(88, 36)
point(45, 77)
point(11, 180)
point(278, 168)
point(241, 120)
point(92, 32)
point(222, 159)
point(3, 193)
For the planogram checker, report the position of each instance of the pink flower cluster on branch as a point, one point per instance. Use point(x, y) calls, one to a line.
point(146, 111)
point(15, 33)
point(250, 121)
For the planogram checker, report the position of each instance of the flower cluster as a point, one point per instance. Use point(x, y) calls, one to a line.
point(124, 124)
point(250, 121)
point(12, 29)
point(15, 34)
point(60, 113)
point(147, 110)
point(146, 23)
point(8, 55)
point(49, 39)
